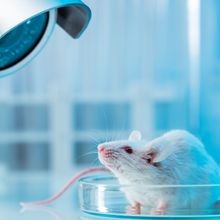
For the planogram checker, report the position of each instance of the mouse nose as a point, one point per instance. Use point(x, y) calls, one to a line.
point(101, 148)
point(105, 152)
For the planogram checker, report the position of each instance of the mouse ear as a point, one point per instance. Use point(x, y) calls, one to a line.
point(158, 154)
point(135, 135)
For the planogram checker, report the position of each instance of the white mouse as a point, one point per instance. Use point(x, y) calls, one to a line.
point(175, 158)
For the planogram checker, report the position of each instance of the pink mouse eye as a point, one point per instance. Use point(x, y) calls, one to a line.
point(127, 149)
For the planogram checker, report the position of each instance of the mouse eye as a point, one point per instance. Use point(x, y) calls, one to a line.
point(128, 149)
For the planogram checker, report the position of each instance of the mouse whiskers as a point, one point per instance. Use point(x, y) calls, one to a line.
point(95, 163)
point(95, 140)
point(86, 154)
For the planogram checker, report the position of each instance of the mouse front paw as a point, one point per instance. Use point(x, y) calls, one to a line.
point(134, 209)
point(160, 209)
point(158, 212)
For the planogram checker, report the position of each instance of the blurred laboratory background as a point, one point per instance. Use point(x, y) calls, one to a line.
point(151, 65)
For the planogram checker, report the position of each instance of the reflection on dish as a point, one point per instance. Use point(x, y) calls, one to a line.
point(55, 214)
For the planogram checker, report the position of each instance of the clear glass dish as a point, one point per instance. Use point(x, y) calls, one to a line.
point(102, 196)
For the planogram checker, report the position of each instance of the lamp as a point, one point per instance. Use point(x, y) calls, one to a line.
point(25, 27)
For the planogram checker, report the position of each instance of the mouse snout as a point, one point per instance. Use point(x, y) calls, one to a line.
point(101, 148)
point(104, 151)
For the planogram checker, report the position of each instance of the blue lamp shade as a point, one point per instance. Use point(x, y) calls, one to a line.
point(18, 43)
point(24, 33)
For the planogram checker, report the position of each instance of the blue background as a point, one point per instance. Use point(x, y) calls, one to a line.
point(151, 65)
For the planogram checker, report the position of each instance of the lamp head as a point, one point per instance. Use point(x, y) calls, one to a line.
point(26, 26)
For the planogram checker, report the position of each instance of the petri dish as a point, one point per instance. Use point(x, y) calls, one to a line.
point(103, 197)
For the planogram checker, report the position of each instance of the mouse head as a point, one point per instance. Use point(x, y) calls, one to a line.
point(127, 157)
point(134, 158)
